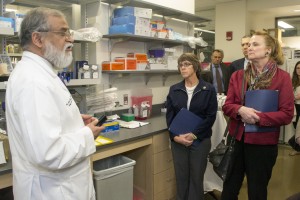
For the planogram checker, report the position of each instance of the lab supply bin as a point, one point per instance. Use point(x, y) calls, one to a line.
point(113, 178)
point(141, 102)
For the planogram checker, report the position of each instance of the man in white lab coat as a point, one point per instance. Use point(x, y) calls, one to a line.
point(50, 141)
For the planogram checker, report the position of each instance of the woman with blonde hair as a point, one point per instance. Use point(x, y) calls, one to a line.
point(255, 153)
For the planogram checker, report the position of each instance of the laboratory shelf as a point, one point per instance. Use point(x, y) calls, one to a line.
point(82, 82)
point(72, 82)
point(138, 38)
point(160, 10)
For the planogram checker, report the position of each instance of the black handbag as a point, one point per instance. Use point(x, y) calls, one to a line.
point(222, 156)
point(293, 143)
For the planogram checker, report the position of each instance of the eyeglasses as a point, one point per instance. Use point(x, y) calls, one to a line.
point(68, 34)
point(185, 64)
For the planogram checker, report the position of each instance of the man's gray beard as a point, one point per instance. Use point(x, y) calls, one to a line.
point(59, 59)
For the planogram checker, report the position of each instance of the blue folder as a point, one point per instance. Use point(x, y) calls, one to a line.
point(264, 101)
point(185, 122)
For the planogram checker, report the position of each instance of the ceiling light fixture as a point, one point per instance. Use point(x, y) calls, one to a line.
point(10, 10)
point(199, 29)
point(179, 20)
point(296, 10)
point(283, 24)
point(157, 15)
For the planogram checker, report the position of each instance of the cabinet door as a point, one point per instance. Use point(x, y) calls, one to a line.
point(164, 180)
point(160, 142)
point(162, 161)
point(168, 194)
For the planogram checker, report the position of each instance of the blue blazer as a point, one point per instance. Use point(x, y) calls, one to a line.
point(237, 64)
point(203, 103)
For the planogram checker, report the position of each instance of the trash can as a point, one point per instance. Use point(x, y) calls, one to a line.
point(113, 178)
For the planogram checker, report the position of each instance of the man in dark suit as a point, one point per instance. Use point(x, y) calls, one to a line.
point(242, 63)
point(223, 70)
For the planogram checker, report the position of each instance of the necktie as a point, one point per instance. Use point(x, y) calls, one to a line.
point(219, 80)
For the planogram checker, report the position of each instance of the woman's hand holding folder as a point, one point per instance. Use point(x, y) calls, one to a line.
point(184, 139)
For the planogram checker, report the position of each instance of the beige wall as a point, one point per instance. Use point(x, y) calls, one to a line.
point(231, 16)
point(243, 16)
point(182, 5)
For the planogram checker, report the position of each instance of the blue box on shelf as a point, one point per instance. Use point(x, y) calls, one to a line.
point(138, 12)
point(125, 28)
point(130, 19)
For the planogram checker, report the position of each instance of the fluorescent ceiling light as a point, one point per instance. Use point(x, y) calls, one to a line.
point(10, 10)
point(283, 24)
point(199, 29)
point(296, 10)
point(157, 15)
point(179, 20)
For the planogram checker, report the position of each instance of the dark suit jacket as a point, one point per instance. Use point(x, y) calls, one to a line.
point(226, 71)
point(237, 64)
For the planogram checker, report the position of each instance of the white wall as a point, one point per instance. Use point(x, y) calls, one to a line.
point(266, 4)
point(230, 16)
point(292, 42)
point(185, 6)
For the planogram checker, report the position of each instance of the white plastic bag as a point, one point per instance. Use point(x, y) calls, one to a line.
point(87, 34)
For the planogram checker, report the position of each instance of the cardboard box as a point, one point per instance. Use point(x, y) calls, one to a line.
point(158, 25)
point(129, 29)
point(108, 65)
point(123, 28)
point(138, 56)
point(130, 19)
point(6, 22)
point(142, 65)
point(138, 12)
point(130, 63)
point(162, 33)
point(158, 66)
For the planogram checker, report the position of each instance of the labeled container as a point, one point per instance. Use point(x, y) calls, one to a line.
point(156, 53)
point(108, 65)
point(141, 102)
point(129, 63)
point(113, 178)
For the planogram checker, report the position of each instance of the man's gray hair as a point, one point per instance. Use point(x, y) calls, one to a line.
point(34, 21)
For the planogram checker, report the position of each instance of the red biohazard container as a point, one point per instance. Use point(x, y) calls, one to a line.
point(141, 102)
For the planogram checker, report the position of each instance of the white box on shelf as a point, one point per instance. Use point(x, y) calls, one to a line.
point(6, 22)
point(143, 31)
point(138, 12)
point(158, 66)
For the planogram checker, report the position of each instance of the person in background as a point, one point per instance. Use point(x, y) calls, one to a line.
point(219, 72)
point(296, 86)
point(198, 97)
point(242, 62)
point(255, 153)
point(50, 140)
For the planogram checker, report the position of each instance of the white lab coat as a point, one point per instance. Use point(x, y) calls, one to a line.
point(49, 143)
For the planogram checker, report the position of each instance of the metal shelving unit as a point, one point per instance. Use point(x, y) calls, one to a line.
point(160, 10)
point(138, 38)
point(120, 73)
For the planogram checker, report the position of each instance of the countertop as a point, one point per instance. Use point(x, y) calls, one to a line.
point(156, 125)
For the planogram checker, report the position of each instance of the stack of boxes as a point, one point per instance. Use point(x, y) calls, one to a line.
point(6, 22)
point(159, 30)
point(131, 20)
point(133, 61)
point(141, 60)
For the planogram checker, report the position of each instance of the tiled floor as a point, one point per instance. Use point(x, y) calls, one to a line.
point(285, 179)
